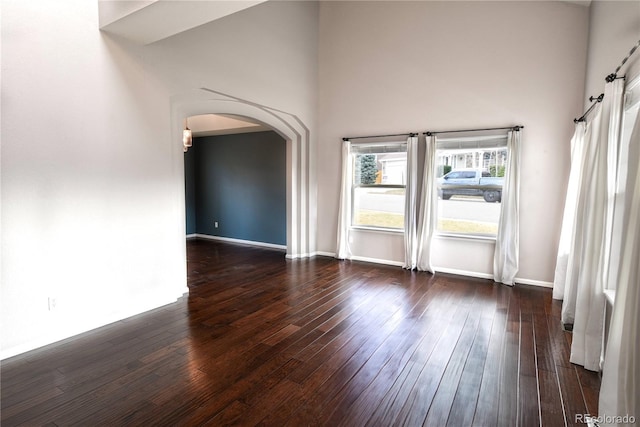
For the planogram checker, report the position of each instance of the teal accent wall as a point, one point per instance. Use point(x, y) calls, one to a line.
point(190, 190)
point(240, 182)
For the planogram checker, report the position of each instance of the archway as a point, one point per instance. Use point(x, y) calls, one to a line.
point(300, 182)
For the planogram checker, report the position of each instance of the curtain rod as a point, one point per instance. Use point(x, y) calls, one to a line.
point(513, 128)
point(348, 138)
point(591, 98)
point(611, 77)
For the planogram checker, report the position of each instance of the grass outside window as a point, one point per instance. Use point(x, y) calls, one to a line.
point(390, 220)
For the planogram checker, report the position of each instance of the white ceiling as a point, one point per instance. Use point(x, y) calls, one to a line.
point(147, 21)
point(217, 124)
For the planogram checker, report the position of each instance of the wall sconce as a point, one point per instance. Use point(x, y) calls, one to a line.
point(187, 136)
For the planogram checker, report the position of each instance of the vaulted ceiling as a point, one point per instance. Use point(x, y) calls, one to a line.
point(147, 21)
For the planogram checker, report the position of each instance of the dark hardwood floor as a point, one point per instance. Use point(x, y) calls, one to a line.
point(263, 340)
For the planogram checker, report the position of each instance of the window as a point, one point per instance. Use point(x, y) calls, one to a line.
point(469, 175)
point(379, 183)
point(629, 114)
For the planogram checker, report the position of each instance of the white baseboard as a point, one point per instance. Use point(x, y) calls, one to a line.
point(463, 273)
point(458, 272)
point(238, 241)
point(327, 254)
point(299, 256)
point(520, 280)
point(533, 282)
point(517, 280)
point(78, 328)
point(361, 258)
point(377, 261)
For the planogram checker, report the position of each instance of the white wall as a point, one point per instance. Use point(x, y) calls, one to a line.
point(87, 179)
point(92, 184)
point(266, 55)
point(614, 28)
point(389, 67)
point(92, 195)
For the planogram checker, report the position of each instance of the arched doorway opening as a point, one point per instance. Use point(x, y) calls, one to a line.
point(235, 181)
point(300, 181)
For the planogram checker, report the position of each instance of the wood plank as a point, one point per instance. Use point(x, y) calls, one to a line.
point(552, 413)
point(571, 393)
point(528, 395)
point(261, 340)
point(416, 406)
point(358, 371)
point(373, 379)
point(486, 411)
point(443, 307)
point(468, 390)
point(590, 385)
point(510, 363)
point(442, 403)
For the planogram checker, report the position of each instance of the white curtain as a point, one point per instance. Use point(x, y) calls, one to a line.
point(505, 259)
point(583, 305)
point(428, 207)
point(569, 216)
point(620, 388)
point(344, 216)
point(576, 235)
point(411, 194)
point(613, 172)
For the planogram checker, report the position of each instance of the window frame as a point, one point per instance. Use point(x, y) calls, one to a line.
point(468, 138)
point(385, 148)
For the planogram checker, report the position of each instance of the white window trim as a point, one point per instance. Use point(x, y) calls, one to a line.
point(377, 229)
point(466, 235)
point(354, 153)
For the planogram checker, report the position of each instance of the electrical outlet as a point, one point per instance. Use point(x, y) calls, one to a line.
point(215, 224)
point(52, 303)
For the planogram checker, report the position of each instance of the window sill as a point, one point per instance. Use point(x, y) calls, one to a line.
point(376, 229)
point(473, 237)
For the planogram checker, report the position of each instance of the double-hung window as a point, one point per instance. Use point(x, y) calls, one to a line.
point(469, 177)
point(378, 185)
